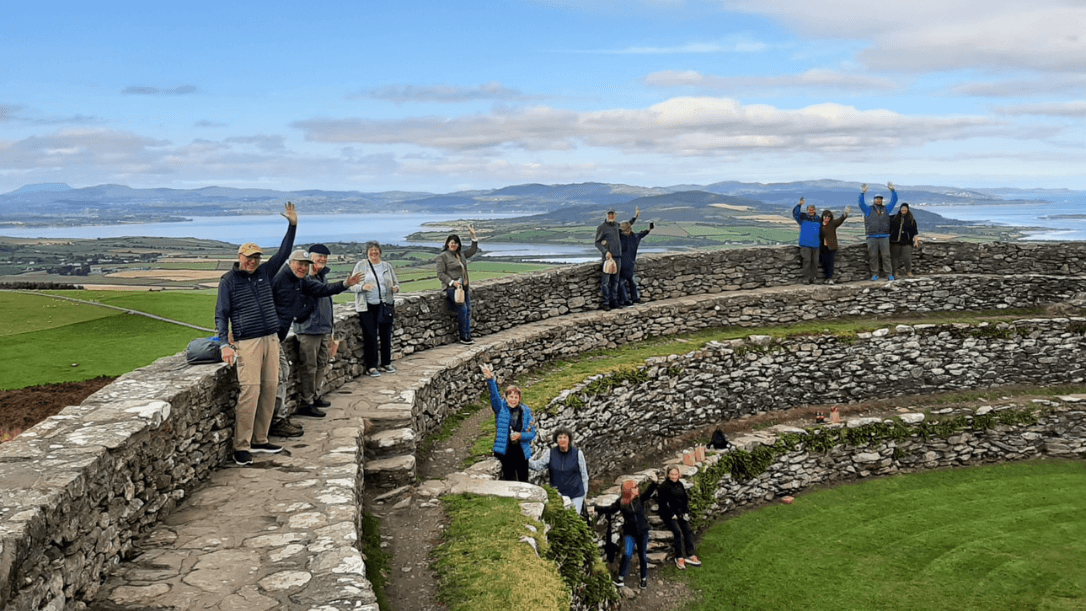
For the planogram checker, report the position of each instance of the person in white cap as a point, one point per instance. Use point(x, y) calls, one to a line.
point(246, 323)
point(296, 296)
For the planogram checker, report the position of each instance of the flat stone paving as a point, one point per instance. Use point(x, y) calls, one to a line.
point(279, 534)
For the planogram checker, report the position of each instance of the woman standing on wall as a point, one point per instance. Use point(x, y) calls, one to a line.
point(515, 429)
point(566, 466)
point(903, 238)
point(635, 528)
point(675, 511)
point(452, 271)
point(375, 303)
point(827, 252)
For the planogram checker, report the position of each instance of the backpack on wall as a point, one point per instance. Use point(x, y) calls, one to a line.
point(203, 351)
point(719, 441)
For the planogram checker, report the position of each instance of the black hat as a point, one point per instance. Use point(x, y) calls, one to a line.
point(319, 249)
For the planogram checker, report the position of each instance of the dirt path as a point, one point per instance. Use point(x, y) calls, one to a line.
point(411, 524)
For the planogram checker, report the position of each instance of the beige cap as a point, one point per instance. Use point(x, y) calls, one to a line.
point(249, 249)
point(300, 255)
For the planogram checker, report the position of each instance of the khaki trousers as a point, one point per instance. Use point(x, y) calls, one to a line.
point(258, 377)
point(313, 351)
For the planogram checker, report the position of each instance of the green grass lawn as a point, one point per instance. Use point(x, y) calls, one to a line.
point(193, 307)
point(108, 346)
point(26, 313)
point(1001, 537)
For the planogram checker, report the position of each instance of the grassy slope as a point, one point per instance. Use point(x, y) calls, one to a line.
point(108, 346)
point(986, 538)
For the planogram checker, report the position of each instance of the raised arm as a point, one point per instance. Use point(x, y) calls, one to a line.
point(280, 257)
point(541, 464)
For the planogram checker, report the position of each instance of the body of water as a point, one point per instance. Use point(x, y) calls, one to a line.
point(1057, 218)
point(390, 228)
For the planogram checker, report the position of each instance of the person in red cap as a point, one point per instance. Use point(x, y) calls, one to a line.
point(246, 322)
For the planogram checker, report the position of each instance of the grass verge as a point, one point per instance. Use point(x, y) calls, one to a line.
point(377, 559)
point(983, 538)
point(483, 566)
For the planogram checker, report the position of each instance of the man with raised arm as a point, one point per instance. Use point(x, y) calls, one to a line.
point(877, 229)
point(246, 323)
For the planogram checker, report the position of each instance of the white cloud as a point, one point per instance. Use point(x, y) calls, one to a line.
point(923, 35)
point(262, 142)
point(812, 79)
point(443, 93)
point(1048, 86)
point(1058, 109)
point(679, 126)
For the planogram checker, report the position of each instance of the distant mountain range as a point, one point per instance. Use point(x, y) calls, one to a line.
point(59, 204)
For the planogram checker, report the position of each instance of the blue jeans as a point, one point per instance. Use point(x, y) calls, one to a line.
point(611, 288)
point(628, 285)
point(463, 311)
point(642, 555)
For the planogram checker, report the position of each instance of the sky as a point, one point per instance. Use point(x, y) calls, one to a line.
point(445, 96)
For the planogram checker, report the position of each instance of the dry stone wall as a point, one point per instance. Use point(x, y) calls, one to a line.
point(80, 486)
point(1056, 428)
point(668, 397)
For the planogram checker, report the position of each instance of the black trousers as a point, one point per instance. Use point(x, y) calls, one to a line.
point(514, 464)
point(371, 331)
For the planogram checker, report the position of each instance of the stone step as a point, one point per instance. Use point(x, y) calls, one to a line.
point(391, 472)
point(387, 419)
point(393, 442)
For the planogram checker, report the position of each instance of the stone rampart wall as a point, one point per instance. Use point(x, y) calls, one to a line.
point(1059, 431)
point(80, 486)
point(668, 397)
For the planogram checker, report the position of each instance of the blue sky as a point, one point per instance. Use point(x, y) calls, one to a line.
point(445, 96)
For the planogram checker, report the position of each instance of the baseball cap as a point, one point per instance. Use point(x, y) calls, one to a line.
point(249, 249)
point(300, 255)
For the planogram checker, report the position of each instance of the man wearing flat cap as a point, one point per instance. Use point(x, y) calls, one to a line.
point(610, 246)
point(296, 295)
point(315, 334)
point(246, 323)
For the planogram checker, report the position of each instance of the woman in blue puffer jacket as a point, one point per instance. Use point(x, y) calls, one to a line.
point(515, 429)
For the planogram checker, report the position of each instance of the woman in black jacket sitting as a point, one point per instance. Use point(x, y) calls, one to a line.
point(675, 511)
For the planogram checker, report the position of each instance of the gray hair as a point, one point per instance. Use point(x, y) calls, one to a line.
point(374, 244)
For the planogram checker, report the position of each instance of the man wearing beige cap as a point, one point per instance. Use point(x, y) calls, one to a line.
point(246, 323)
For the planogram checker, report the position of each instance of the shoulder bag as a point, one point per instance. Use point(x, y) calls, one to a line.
point(386, 312)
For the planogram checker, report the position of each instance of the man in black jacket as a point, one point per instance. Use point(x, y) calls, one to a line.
point(246, 323)
point(296, 294)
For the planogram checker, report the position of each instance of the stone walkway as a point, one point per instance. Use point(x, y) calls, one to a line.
point(280, 534)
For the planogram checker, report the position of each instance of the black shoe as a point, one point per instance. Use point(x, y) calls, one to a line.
point(243, 458)
point(265, 448)
point(606, 308)
point(320, 402)
point(466, 342)
point(285, 428)
point(310, 411)
point(644, 584)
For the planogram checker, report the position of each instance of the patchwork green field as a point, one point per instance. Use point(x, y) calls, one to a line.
point(989, 538)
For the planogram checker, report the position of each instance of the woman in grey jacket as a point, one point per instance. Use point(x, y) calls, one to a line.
point(377, 289)
point(452, 271)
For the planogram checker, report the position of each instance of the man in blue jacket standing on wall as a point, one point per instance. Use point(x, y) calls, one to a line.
point(246, 322)
point(809, 240)
point(877, 228)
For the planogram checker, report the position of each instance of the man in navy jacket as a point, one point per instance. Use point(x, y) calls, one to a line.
point(246, 323)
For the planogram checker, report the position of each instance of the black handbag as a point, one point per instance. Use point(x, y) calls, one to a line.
point(386, 312)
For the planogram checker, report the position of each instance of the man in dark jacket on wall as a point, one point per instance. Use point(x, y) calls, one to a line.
point(296, 295)
point(315, 334)
point(877, 228)
point(610, 245)
point(246, 323)
point(628, 265)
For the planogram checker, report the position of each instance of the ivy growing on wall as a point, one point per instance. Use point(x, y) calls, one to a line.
point(572, 546)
